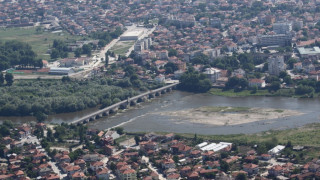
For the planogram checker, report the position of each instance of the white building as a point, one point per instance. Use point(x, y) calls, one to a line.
point(257, 82)
point(282, 28)
point(132, 35)
point(313, 53)
point(201, 145)
point(276, 150)
point(213, 74)
point(276, 65)
point(217, 147)
point(61, 71)
point(275, 40)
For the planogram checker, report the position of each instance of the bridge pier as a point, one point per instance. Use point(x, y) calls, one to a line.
point(133, 102)
point(124, 105)
point(169, 89)
point(163, 91)
point(105, 113)
point(114, 110)
point(152, 95)
point(158, 93)
point(142, 99)
point(99, 116)
point(85, 121)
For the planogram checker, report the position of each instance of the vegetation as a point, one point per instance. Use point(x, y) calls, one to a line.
point(14, 53)
point(306, 136)
point(106, 37)
point(194, 81)
point(40, 41)
point(48, 97)
point(59, 49)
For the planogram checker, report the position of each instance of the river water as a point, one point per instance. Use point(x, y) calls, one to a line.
point(145, 117)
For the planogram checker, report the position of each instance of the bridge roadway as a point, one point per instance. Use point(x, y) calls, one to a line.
point(124, 104)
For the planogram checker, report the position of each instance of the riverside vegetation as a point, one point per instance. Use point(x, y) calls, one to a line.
point(43, 97)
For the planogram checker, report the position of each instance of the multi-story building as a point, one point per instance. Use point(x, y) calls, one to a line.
point(275, 40)
point(213, 74)
point(276, 65)
point(282, 28)
point(143, 44)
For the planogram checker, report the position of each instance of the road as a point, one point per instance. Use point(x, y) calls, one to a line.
point(35, 140)
point(145, 34)
point(97, 58)
point(146, 159)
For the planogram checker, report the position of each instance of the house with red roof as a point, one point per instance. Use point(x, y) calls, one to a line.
point(251, 168)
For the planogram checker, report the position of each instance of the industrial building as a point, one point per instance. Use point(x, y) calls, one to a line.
point(276, 150)
point(217, 147)
point(132, 35)
point(312, 53)
point(61, 71)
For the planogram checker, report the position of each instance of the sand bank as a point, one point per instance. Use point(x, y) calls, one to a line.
point(223, 116)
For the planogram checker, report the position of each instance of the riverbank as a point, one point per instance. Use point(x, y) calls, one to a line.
point(264, 92)
point(307, 135)
point(224, 116)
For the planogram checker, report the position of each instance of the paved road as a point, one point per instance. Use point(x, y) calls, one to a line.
point(97, 58)
point(146, 159)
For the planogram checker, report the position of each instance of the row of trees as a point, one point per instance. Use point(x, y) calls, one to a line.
point(14, 53)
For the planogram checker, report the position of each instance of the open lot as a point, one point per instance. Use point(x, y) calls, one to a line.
point(122, 47)
point(40, 41)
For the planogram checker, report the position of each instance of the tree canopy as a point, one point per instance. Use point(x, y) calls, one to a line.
point(13, 53)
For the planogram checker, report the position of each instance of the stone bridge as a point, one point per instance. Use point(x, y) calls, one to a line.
point(125, 104)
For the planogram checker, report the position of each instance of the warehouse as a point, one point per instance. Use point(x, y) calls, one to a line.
point(61, 71)
point(132, 35)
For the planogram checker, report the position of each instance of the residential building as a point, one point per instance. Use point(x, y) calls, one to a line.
point(257, 83)
point(282, 27)
point(213, 74)
point(275, 40)
point(276, 65)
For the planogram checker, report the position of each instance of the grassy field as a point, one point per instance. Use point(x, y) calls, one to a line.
point(40, 41)
point(307, 136)
point(121, 47)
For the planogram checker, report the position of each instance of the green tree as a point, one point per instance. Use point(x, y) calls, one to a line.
point(107, 59)
point(194, 82)
point(86, 49)
point(119, 130)
point(54, 54)
point(241, 176)
point(224, 166)
point(175, 158)
point(40, 116)
point(275, 86)
point(172, 52)
point(9, 79)
point(78, 52)
point(1, 79)
point(283, 74)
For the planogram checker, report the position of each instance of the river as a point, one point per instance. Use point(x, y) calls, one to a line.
point(144, 117)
